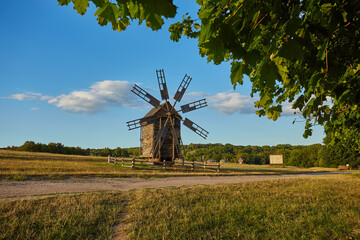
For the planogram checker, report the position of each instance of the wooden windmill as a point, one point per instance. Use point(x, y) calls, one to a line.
point(160, 127)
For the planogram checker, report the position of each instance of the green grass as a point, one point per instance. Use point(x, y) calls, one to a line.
point(19, 166)
point(325, 207)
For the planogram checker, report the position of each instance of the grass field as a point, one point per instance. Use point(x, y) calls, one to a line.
point(325, 207)
point(22, 165)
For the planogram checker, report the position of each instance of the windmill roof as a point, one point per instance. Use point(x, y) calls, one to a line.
point(158, 111)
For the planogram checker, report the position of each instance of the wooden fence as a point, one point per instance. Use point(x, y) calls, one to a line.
point(200, 165)
point(136, 163)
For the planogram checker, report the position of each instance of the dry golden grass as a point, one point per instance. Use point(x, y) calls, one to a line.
point(21, 165)
point(86, 216)
point(325, 207)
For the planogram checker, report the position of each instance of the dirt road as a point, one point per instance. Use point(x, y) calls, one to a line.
point(34, 188)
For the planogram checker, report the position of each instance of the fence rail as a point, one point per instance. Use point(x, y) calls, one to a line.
point(192, 165)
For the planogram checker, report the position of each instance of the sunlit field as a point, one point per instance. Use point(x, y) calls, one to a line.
point(323, 207)
point(22, 165)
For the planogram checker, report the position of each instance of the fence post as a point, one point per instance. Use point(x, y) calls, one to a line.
point(115, 161)
point(204, 165)
point(122, 161)
point(192, 166)
point(164, 164)
point(133, 163)
point(218, 167)
point(109, 159)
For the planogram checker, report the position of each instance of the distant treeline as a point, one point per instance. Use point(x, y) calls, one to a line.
point(316, 155)
point(31, 146)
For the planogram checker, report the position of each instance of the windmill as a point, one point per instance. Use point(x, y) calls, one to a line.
point(160, 134)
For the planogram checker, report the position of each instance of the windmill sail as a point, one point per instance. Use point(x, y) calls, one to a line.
point(137, 123)
point(162, 84)
point(160, 128)
point(145, 95)
point(196, 128)
point(193, 105)
point(182, 88)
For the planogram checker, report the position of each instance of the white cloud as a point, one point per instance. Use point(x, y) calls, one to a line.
point(25, 96)
point(287, 109)
point(193, 96)
point(197, 94)
point(229, 103)
point(34, 109)
point(97, 98)
point(45, 98)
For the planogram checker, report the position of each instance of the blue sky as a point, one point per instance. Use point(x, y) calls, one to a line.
point(65, 79)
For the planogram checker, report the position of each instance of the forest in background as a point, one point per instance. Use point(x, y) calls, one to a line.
point(316, 155)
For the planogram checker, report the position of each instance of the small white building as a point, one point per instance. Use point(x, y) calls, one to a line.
point(241, 160)
point(276, 159)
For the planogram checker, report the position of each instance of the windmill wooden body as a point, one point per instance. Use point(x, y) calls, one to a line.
point(161, 126)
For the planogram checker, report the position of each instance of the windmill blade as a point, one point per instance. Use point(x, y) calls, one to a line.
point(196, 128)
point(162, 84)
point(145, 95)
point(182, 88)
point(137, 123)
point(193, 105)
point(133, 124)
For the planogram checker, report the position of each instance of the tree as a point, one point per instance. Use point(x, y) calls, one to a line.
point(340, 153)
point(305, 52)
point(118, 152)
point(29, 146)
point(105, 152)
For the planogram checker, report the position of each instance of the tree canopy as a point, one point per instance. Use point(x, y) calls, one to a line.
point(305, 52)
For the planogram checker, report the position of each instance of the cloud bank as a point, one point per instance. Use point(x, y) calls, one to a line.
point(104, 94)
point(97, 98)
point(233, 102)
point(229, 103)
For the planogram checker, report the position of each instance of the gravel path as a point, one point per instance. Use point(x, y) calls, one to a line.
point(35, 188)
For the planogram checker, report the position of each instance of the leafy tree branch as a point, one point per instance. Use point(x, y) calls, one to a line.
point(305, 52)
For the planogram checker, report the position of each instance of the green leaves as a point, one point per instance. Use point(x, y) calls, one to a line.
point(79, 5)
point(268, 74)
point(152, 11)
point(292, 50)
point(108, 13)
point(236, 75)
point(187, 27)
point(120, 12)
